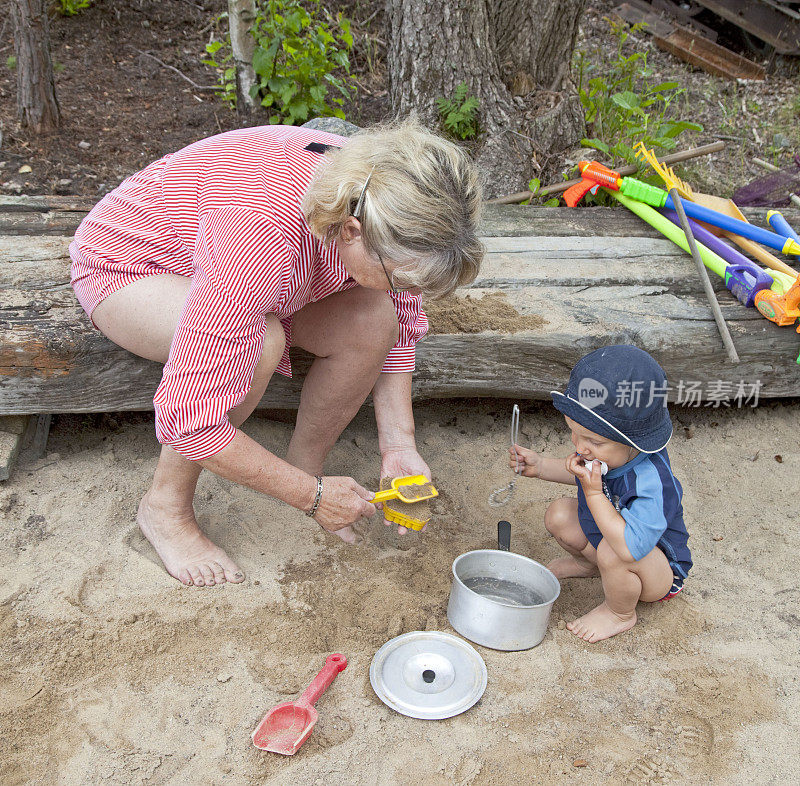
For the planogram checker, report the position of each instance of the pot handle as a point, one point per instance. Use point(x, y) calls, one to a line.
point(504, 535)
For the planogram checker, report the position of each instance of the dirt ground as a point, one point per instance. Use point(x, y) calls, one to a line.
point(113, 673)
point(122, 108)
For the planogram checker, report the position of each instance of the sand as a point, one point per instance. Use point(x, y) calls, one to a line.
point(468, 314)
point(112, 673)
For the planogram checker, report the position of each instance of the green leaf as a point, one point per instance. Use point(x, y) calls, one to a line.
point(679, 126)
point(262, 61)
point(664, 86)
point(597, 144)
point(626, 100)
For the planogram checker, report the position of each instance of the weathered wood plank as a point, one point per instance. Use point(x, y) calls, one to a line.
point(49, 217)
point(46, 202)
point(597, 275)
point(57, 363)
point(42, 263)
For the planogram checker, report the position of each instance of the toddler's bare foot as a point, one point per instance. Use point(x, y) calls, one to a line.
point(601, 623)
point(571, 567)
point(187, 554)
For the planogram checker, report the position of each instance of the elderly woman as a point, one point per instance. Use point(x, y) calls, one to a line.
point(217, 259)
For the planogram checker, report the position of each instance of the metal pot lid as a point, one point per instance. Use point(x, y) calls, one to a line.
point(428, 674)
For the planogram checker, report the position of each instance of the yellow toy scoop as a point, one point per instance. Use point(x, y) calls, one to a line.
point(408, 489)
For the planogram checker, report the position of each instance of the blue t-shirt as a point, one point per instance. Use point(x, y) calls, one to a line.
point(648, 496)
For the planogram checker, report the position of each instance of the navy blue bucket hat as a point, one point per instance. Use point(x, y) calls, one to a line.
point(619, 392)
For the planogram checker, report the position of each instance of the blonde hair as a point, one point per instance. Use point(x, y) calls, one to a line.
point(421, 208)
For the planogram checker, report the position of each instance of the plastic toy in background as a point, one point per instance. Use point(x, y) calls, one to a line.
point(725, 206)
point(782, 308)
point(667, 174)
point(779, 305)
point(594, 175)
point(781, 225)
point(503, 495)
point(742, 277)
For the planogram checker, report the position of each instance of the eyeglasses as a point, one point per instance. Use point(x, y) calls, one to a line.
point(359, 208)
point(392, 287)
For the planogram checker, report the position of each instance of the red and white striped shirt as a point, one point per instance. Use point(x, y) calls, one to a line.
point(225, 212)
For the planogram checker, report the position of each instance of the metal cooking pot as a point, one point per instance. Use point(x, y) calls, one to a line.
point(500, 599)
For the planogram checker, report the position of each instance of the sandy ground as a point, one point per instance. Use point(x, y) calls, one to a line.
point(111, 672)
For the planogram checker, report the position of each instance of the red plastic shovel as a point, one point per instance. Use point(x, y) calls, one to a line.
point(288, 725)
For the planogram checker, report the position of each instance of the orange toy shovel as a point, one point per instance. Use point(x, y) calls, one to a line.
point(288, 725)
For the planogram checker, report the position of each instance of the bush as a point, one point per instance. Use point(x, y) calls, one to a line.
point(459, 114)
point(301, 61)
point(622, 105)
point(72, 7)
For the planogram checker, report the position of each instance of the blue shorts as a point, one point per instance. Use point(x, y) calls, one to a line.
point(679, 571)
point(677, 586)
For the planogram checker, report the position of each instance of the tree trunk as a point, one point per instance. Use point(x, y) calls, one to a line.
point(241, 15)
point(536, 39)
point(37, 105)
point(435, 47)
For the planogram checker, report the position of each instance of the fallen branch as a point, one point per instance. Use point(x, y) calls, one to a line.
point(557, 188)
point(172, 68)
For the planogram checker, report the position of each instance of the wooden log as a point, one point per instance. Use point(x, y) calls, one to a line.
point(597, 275)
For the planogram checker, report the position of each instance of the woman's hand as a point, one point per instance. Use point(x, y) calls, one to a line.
point(397, 463)
point(591, 480)
point(528, 461)
point(343, 502)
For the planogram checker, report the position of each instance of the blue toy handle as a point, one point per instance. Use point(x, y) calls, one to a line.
point(781, 225)
point(737, 227)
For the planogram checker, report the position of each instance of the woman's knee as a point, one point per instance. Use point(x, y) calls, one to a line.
point(374, 318)
point(560, 518)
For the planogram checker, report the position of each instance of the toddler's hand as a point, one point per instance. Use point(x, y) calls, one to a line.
point(591, 480)
point(528, 461)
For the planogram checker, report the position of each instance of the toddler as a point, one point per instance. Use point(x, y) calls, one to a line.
point(627, 521)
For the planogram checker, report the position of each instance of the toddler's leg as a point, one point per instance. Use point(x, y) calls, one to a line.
point(561, 521)
point(624, 584)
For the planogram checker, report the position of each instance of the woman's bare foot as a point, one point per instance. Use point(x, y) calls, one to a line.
point(187, 554)
point(601, 623)
point(571, 567)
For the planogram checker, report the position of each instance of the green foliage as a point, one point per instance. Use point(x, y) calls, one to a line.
point(72, 7)
point(301, 61)
point(220, 57)
point(534, 186)
point(623, 106)
point(459, 114)
point(11, 62)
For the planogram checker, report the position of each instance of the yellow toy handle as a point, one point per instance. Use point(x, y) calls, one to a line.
point(384, 496)
point(405, 521)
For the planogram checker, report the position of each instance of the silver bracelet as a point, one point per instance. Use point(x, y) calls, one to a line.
point(317, 499)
